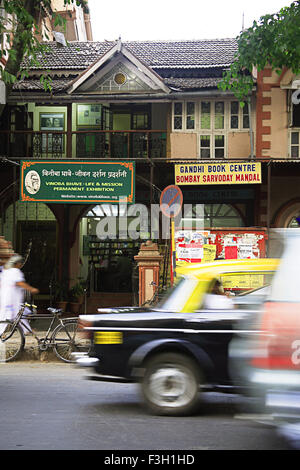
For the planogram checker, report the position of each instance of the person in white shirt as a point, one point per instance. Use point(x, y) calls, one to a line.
point(12, 289)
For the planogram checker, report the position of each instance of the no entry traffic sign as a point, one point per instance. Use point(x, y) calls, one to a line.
point(171, 201)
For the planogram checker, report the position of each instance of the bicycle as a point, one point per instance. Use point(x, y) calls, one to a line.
point(65, 338)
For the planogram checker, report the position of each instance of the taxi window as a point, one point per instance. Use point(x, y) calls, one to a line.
point(177, 297)
point(245, 281)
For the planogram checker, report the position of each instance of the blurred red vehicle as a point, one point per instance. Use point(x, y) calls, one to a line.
point(268, 359)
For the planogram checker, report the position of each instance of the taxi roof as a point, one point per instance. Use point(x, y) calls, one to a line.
point(218, 267)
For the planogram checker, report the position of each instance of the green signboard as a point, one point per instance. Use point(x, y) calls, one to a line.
point(78, 182)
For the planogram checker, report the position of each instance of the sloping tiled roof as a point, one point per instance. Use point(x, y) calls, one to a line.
point(76, 56)
point(192, 83)
point(156, 54)
point(34, 84)
point(161, 56)
point(185, 54)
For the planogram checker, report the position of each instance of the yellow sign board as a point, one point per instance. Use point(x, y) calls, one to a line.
point(243, 281)
point(209, 253)
point(217, 173)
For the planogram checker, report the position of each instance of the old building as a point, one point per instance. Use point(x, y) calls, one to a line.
point(155, 104)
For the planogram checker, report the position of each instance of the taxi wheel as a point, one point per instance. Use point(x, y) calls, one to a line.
point(170, 385)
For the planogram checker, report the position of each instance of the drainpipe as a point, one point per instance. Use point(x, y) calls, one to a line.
point(269, 205)
point(252, 156)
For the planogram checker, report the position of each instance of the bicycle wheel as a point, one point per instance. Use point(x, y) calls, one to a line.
point(67, 340)
point(11, 341)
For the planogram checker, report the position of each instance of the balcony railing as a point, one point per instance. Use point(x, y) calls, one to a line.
point(84, 144)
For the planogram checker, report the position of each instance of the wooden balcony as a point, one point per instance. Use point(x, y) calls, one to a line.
point(84, 144)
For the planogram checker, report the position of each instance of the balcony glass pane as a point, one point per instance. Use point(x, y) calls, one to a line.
point(234, 107)
point(234, 122)
point(295, 152)
point(246, 123)
point(190, 108)
point(219, 141)
point(205, 153)
point(295, 138)
point(205, 146)
point(205, 115)
point(177, 122)
point(177, 108)
point(219, 153)
point(190, 122)
point(205, 141)
point(219, 115)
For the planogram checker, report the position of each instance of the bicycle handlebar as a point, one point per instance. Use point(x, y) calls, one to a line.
point(29, 305)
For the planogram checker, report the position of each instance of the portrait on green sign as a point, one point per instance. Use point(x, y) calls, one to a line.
point(32, 182)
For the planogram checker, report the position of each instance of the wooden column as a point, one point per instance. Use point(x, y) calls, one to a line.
point(148, 261)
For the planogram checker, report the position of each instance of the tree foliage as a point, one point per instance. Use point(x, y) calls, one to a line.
point(273, 40)
point(20, 22)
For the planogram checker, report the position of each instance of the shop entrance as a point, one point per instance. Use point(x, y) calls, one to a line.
point(34, 228)
point(108, 264)
point(40, 238)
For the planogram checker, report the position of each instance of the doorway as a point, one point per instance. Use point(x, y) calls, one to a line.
point(108, 264)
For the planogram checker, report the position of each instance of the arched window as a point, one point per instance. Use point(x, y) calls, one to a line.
point(222, 215)
point(293, 222)
point(287, 214)
point(212, 215)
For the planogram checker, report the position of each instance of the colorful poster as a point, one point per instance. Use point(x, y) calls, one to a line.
point(231, 252)
point(189, 246)
point(213, 245)
point(209, 253)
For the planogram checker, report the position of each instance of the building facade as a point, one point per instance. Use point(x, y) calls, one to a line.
point(156, 104)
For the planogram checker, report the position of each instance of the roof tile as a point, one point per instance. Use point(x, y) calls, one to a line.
point(163, 57)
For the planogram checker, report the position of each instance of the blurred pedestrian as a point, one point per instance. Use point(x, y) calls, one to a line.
point(12, 289)
point(1, 268)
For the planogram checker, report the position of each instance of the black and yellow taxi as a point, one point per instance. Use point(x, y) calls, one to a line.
point(179, 347)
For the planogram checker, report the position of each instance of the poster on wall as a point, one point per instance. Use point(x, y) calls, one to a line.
point(208, 245)
point(52, 121)
point(189, 246)
point(52, 142)
point(88, 115)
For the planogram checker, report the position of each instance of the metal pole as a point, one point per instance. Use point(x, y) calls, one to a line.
point(173, 250)
point(269, 204)
point(14, 235)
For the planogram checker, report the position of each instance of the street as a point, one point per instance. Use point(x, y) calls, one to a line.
point(50, 406)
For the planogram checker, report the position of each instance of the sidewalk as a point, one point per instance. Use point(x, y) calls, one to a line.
point(31, 352)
